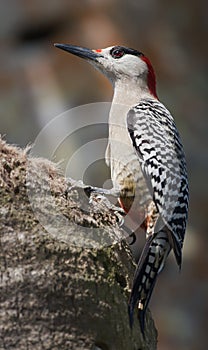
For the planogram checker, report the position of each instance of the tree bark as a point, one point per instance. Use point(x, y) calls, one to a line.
point(66, 269)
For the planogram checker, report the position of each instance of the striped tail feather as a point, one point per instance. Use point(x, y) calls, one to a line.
point(150, 264)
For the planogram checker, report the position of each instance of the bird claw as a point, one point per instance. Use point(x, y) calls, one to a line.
point(102, 202)
point(97, 196)
point(133, 236)
point(130, 234)
point(101, 191)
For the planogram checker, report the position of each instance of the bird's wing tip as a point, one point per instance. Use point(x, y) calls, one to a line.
point(141, 317)
point(131, 317)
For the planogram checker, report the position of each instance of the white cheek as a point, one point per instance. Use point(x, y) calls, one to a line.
point(131, 66)
point(128, 65)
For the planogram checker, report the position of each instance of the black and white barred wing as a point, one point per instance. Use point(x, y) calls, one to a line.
point(157, 143)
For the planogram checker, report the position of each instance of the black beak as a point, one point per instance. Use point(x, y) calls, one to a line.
point(82, 52)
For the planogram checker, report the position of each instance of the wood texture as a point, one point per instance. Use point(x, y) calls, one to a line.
point(61, 289)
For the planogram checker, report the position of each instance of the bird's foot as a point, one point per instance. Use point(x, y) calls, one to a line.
point(89, 190)
point(97, 197)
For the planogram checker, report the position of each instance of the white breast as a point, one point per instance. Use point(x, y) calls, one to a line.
point(120, 154)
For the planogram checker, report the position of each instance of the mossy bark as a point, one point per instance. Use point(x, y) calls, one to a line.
point(66, 270)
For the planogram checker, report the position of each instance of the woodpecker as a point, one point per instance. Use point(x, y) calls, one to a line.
point(147, 162)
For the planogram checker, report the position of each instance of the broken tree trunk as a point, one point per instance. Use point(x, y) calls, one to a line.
point(66, 270)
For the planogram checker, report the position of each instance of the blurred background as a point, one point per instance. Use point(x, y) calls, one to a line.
point(38, 82)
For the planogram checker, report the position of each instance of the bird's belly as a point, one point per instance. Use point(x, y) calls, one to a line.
point(128, 178)
point(126, 174)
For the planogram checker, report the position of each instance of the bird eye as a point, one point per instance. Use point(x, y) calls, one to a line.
point(117, 52)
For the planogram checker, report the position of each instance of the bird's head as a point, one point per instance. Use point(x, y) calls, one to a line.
point(117, 63)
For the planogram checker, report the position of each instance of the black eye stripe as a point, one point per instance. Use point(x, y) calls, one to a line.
point(119, 51)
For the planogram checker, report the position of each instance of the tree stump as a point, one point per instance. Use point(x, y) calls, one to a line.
point(66, 270)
